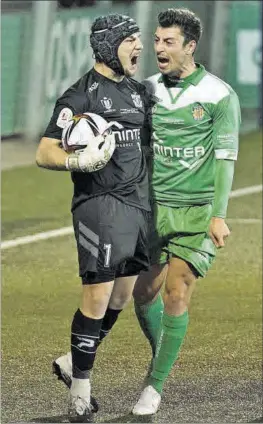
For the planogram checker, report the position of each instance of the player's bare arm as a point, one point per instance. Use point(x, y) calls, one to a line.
point(50, 155)
point(92, 158)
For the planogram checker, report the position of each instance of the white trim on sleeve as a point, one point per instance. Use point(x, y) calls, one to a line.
point(230, 154)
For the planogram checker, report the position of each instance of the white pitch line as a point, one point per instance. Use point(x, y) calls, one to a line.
point(246, 190)
point(69, 230)
point(244, 220)
point(36, 237)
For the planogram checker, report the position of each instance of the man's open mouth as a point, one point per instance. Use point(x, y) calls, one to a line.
point(134, 60)
point(162, 59)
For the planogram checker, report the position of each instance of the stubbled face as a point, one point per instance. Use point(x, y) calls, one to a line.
point(172, 55)
point(129, 52)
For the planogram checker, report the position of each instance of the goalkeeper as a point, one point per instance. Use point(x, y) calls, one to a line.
point(195, 144)
point(110, 205)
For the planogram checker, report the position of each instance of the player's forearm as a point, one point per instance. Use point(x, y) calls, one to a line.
point(224, 174)
point(49, 155)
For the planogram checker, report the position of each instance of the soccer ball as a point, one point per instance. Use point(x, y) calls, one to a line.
point(81, 130)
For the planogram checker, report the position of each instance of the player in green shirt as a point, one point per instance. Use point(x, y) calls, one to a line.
point(195, 143)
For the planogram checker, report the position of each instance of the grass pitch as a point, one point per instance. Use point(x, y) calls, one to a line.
point(218, 375)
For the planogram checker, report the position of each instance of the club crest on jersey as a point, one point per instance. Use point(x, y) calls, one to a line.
point(106, 102)
point(136, 99)
point(198, 112)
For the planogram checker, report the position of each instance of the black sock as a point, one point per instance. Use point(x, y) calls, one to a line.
point(84, 342)
point(108, 322)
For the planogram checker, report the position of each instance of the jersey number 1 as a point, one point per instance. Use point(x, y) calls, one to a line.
point(107, 248)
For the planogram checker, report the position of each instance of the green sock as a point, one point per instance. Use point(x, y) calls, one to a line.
point(150, 317)
point(172, 333)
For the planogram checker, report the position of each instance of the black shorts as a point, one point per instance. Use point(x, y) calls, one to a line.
point(112, 239)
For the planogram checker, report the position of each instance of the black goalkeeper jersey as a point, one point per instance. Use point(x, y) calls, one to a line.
point(127, 102)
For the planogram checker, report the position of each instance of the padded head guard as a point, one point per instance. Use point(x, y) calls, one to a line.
point(107, 33)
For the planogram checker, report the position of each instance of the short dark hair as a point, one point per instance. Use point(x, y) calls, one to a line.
point(189, 23)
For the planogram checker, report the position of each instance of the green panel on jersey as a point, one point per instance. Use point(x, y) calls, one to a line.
point(193, 125)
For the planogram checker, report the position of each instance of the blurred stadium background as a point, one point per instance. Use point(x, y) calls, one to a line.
point(45, 48)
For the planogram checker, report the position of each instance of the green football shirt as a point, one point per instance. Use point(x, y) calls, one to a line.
point(194, 123)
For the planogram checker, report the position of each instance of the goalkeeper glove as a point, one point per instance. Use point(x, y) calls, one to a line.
point(94, 157)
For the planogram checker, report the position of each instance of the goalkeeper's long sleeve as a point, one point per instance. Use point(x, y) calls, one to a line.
point(224, 174)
